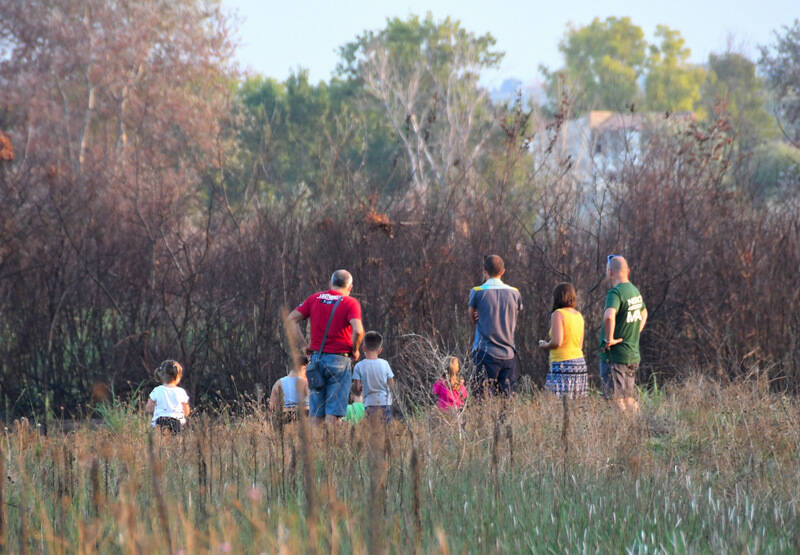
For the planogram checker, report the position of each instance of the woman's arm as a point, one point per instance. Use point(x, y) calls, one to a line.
point(556, 332)
point(186, 409)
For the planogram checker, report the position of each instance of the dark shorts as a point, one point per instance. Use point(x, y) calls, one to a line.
point(619, 380)
point(167, 423)
point(497, 376)
point(336, 378)
point(291, 413)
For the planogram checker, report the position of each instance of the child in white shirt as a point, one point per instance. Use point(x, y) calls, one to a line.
point(168, 402)
point(373, 377)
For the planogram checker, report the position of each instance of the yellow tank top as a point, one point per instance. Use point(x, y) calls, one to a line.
point(571, 344)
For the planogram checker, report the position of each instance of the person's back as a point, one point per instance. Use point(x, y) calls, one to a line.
point(168, 402)
point(572, 339)
point(318, 308)
point(291, 396)
point(624, 318)
point(374, 375)
point(567, 373)
point(450, 391)
point(494, 307)
point(336, 335)
point(627, 300)
point(498, 305)
point(373, 378)
point(355, 410)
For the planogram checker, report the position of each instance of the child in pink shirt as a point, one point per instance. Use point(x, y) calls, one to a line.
point(450, 389)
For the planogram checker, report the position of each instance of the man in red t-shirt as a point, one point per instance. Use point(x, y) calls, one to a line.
point(330, 389)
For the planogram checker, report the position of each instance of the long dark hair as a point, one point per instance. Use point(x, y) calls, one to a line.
point(564, 296)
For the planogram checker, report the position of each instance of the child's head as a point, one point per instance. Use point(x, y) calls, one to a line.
point(373, 342)
point(301, 369)
point(170, 371)
point(453, 366)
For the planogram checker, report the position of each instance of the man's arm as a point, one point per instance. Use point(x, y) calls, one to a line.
point(472, 303)
point(293, 327)
point(644, 319)
point(609, 323)
point(358, 336)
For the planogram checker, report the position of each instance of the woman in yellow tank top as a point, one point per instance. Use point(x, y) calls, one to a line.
point(567, 374)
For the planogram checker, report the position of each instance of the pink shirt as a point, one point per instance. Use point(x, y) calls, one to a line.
point(449, 398)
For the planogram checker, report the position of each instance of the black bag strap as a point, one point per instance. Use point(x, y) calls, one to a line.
point(328, 327)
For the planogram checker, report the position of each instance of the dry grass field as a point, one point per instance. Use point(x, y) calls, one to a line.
point(703, 468)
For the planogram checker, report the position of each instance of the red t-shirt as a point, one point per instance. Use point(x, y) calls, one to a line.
point(318, 307)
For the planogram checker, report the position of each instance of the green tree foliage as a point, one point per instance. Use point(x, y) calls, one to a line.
point(603, 63)
point(733, 89)
point(295, 136)
point(774, 169)
point(672, 84)
point(422, 76)
point(781, 64)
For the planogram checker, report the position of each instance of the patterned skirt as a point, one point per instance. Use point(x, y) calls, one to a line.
point(567, 377)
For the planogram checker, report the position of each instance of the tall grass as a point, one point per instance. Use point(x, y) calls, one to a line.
point(703, 468)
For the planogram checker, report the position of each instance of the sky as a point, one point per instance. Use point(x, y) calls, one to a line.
point(277, 37)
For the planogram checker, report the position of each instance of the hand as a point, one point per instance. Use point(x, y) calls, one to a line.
point(611, 343)
point(475, 316)
point(543, 344)
point(356, 355)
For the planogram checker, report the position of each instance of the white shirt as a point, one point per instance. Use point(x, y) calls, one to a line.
point(169, 402)
point(374, 375)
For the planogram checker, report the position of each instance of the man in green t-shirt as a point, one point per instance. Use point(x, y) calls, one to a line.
point(624, 318)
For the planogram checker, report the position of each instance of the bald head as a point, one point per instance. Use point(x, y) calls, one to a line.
point(341, 279)
point(618, 268)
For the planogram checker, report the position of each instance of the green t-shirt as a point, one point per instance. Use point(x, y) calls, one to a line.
point(628, 302)
point(354, 413)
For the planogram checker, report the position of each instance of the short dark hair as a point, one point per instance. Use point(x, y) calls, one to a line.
point(493, 265)
point(169, 370)
point(564, 296)
point(372, 341)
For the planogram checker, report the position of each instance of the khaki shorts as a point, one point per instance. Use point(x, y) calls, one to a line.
point(619, 380)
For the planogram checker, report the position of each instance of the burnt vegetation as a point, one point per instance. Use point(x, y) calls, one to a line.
point(149, 212)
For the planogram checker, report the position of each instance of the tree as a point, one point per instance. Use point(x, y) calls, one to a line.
point(733, 87)
point(296, 136)
point(671, 84)
point(94, 80)
point(114, 110)
point(603, 64)
point(781, 65)
point(424, 77)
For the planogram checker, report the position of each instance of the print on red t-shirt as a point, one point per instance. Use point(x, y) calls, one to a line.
point(318, 307)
